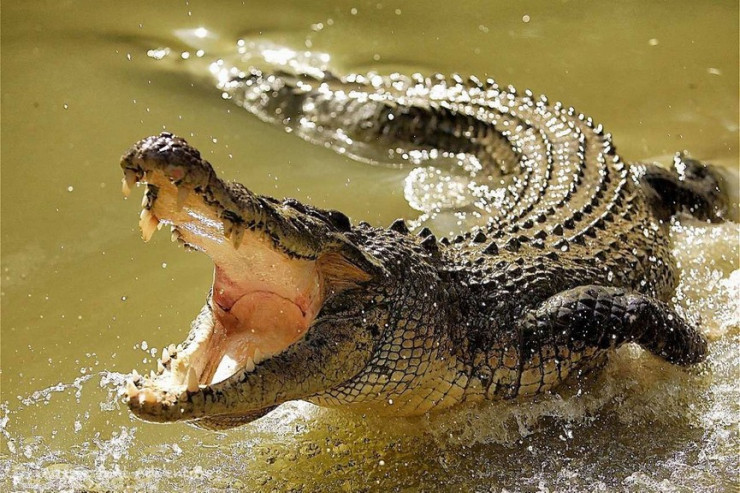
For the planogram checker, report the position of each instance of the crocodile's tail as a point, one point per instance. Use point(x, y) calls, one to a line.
point(689, 186)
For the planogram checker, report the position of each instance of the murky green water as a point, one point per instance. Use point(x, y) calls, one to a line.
point(84, 300)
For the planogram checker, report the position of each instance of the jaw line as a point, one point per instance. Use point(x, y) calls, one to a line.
point(160, 399)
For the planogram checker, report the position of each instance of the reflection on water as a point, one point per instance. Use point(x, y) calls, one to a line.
point(83, 300)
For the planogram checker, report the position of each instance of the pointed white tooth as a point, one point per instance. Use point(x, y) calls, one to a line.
point(250, 365)
point(159, 225)
point(125, 188)
point(165, 356)
point(174, 236)
point(135, 376)
point(144, 201)
point(237, 236)
point(128, 182)
point(160, 367)
point(148, 224)
point(148, 232)
point(147, 395)
point(131, 390)
point(182, 196)
point(152, 375)
point(258, 356)
point(192, 380)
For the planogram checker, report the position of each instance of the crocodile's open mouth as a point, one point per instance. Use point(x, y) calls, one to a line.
point(267, 289)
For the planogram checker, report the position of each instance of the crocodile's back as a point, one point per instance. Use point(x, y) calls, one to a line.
point(570, 255)
point(547, 180)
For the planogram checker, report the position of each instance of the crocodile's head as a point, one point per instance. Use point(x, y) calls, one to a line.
point(284, 277)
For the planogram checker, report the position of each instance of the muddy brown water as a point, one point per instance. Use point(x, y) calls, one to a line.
point(84, 300)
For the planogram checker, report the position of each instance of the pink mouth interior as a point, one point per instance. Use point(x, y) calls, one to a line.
point(263, 300)
point(253, 320)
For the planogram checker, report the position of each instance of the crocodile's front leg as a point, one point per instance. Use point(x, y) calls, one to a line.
point(572, 329)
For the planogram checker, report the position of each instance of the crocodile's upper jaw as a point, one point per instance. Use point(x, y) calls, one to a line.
point(264, 297)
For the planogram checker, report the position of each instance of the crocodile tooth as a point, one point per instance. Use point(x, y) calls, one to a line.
point(237, 236)
point(258, 356)
point(192, 380)
point(182, 196)
point(250, 365)
point(127, 182)
point(148, 224)
point(152, 375)
point(135, 376)
point(131, 389)
point(150, 229)
point(147, 395)
point(165, 356)
point(160, 367)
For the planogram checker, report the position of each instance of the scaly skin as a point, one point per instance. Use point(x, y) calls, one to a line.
point(574, 261)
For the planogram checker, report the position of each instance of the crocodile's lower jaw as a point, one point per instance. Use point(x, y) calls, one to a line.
point(262, 301)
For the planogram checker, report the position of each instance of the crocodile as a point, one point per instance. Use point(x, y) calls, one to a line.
point(573, 261)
